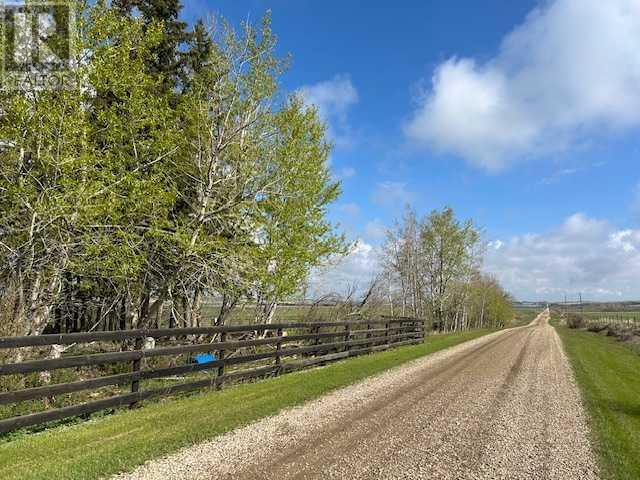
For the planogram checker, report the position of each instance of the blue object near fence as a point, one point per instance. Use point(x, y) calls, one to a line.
point(205, 358)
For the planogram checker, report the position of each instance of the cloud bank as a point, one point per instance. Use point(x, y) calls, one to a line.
point(583, 255)
point(570, 70)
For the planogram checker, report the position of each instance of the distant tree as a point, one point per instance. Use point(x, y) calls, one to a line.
point(447, 251)
point(488, 302)
point(401, 258)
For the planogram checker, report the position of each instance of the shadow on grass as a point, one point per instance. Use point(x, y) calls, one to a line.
point(625, 408)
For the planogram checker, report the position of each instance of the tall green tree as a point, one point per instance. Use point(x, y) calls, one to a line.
point(294, 234)
point(167, 59)
point(447, 249)
point(139, 193)
point(84, 180)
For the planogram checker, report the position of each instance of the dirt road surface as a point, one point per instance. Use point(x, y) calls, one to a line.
point(500, 407)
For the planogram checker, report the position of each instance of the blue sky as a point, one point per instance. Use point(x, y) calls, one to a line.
point(524, 116)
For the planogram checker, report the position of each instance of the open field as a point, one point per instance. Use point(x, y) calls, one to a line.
point(95, 449)
point(524, 315)
point(612, 313)
point(607, 373)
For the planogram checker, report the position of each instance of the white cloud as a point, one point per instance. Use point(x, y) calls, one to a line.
point(355, 269)
point(557, 176)
point(345, 173)
point(376, 229)
point(334, 99)
point(571, 69)
point(583, 254)
point(351, 209)
point(392, 193)
point(496, 244)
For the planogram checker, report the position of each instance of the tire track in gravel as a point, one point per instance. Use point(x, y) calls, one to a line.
point(500, 407)
point(389, 402)
point(375, 420)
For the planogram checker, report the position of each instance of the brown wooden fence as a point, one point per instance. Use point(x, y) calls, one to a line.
point(237, 352)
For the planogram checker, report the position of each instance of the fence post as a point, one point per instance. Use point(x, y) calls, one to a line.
point(135, 367)
point(278, 361)
point(347, 336)
point(387, 333)
point(316, 341)
point(221, 356)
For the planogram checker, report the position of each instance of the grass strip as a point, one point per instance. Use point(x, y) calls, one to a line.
point(608, 375)
point(122, 441)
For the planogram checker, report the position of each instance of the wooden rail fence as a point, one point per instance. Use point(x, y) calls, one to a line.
point(238, 352)
point(621, 321)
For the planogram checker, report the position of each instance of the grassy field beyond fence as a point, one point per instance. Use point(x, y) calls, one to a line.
point(524, 315)
point(608, 374)
point(122, 441)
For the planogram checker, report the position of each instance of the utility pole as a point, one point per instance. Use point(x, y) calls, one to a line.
point(580, 302)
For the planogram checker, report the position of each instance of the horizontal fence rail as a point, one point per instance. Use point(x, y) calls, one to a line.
point(169, 357)
point(613, 320)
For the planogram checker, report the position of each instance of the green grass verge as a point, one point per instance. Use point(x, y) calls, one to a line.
point(122, 441)
point(608, 374)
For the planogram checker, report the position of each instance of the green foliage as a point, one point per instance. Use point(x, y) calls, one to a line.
point(607, 373)
point(174, 170)
point(448, 248)
point(294, 233)
point(491, 306)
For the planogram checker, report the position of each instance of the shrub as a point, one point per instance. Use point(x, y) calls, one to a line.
point(596, 328)
point(575, 320)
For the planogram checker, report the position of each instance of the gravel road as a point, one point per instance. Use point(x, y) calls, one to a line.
point(504, 406)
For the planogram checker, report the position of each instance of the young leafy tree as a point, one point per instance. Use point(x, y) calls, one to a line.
point(256, 183)
point(226, 139)
point(447, 248)
point(42, 160)
point(402, 258)
point(134, 136)
point(294, 235)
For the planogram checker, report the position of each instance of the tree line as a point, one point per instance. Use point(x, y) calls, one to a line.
point(432, 270)
point(174, 169)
